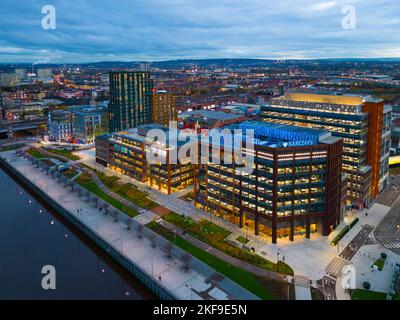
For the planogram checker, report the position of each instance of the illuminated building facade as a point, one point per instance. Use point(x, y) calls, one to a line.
point(362, 122)
point(130, 100)
point(164, 108)
point(295, 187)
point(125, 152)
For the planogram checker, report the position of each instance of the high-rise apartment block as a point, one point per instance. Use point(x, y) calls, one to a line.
point(164, 108)
point(362, 121)
point(130, 100)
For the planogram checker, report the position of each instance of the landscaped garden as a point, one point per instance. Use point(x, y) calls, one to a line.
point(126, 190)
point(364, 294)
point(215, 236)
point(64, 152)
point(343, 232)
point(257, 285)
point(70, 173)
point(242, 240)
point(36, 153)
point(9, 148)
point(86, 181)
point(380, 263)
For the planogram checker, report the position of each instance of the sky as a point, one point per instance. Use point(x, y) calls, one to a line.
point(151, 30)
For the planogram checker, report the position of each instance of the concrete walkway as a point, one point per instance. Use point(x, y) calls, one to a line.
point(198, 282)
point(227, 258)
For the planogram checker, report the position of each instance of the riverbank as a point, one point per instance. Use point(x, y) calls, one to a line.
point(179, 276)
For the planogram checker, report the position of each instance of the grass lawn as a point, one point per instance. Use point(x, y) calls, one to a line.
point(85, 180)
point(215, 236)
point(380, 263)
point(13, 147)
point(65, 153)
point(126, 190)
point(36, 153)
point(362, 294)
point(242, 240)
point(70, 173)
point(189, 195)
point(48, 162)
point(246, 279)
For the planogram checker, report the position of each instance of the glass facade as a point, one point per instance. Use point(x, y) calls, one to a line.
point(130, 100)
point(349, 122)
point(285, 195)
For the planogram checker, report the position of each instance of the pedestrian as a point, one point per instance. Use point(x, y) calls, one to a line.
point(159, 278)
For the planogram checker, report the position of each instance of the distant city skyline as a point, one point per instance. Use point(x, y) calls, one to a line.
point(156, 30)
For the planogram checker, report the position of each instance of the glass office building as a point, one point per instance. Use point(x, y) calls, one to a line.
point(294, 188)
point(362, 122)
point(126, 151)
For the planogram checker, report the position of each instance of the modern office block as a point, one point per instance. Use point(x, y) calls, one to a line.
point(295, 187)
point(362, 122)
point(125, 152)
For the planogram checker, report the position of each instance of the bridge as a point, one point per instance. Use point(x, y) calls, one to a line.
point(16, 129)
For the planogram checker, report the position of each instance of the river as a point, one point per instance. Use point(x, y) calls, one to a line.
point(32, 236)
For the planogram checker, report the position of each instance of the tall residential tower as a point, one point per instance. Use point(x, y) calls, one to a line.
point(130, 100)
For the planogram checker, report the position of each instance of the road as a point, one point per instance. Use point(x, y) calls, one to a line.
point(357, 242)
point(388, 231)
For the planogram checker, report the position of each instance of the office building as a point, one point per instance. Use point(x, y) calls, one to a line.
point(164, 108)
point(362, 121)
point(125, 152)
point(295, 187)
point(88, 122)
point(130, 100)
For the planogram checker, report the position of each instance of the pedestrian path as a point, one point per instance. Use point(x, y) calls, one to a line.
point(302, 288)
point(335, 267)
point(185, 278)
point(392, 245)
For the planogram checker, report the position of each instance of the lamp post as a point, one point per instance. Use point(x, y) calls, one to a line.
point(277, 262)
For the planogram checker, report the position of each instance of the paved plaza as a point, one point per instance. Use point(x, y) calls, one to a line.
point(362, 262)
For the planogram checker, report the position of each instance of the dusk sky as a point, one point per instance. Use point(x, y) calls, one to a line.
point(175, 29)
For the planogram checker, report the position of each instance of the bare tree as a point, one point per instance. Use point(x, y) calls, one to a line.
point(186, 260)
point(139, 230)
point(129, 223)
point(153, 240)
point(116, 215)
point(168, 249)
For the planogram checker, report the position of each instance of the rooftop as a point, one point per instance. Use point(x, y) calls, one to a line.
point(214, 115)
point(273, 135)
point(317, 95)
point(278, 135)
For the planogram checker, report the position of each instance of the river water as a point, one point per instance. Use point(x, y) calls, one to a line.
point(31, 237)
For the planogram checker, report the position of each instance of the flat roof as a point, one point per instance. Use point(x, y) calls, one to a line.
point(277, 135)
point(214, 115)
point(312, 94)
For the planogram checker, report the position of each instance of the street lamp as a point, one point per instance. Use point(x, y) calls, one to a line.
point(277, 262)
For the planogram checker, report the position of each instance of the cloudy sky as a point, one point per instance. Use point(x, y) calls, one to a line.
point(98, 30)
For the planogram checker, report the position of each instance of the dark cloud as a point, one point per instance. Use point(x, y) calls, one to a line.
point(160, 29)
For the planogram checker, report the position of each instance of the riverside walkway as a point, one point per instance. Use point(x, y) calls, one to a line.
point(185, 280)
